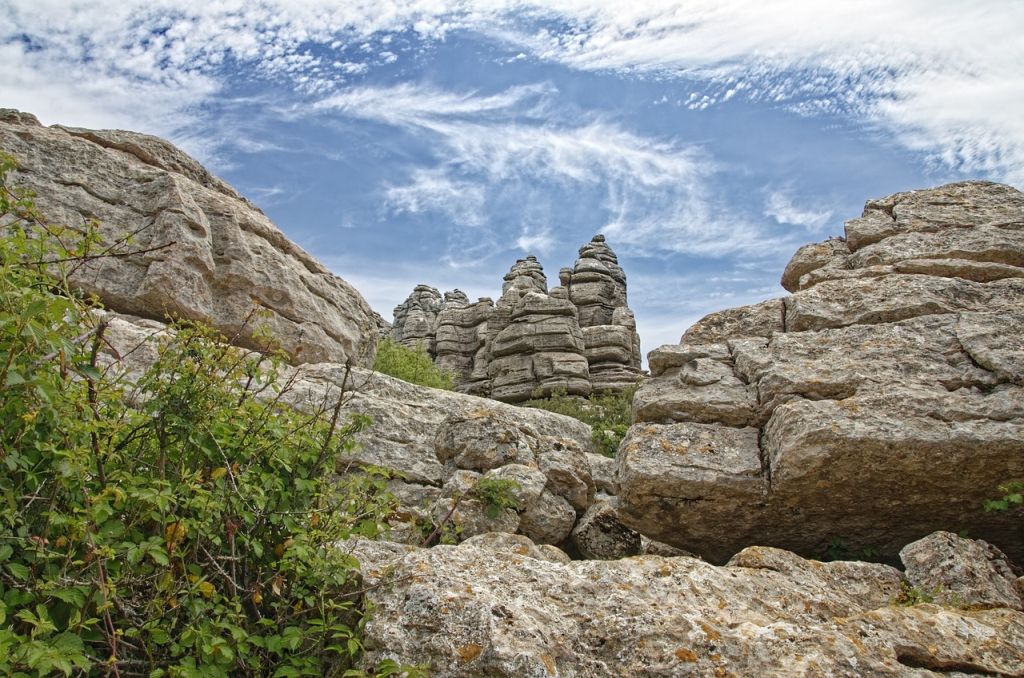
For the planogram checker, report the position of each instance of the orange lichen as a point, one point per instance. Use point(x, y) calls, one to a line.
point(468, 653)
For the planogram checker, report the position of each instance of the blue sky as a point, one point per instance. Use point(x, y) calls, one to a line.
point(434, 141)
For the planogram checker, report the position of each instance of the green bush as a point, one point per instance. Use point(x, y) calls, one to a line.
point(411, 365)
point(180, 526)
point(609, 415)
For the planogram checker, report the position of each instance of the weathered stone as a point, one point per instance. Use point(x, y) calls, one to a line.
point(650, 547)
point(890, 407)
point(668, 356)
point(604, 470)
point(474, 612)
point(568, 473)
point(703, 390)
point(600, 536)
point(838, 303)
point(963, 205)
point(531, 344)
point(691, 486)
point(961, 572)
point(415, 323)
point(516, 544)
point(206, 253)
point(756, 320)
point(548, 520)
point(484, 440)
point(529, 482)
point(833, 252)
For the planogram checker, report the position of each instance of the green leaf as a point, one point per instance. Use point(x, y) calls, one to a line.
point(17, 570)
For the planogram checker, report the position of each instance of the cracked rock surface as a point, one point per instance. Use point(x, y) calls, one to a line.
point(878, 403)
point(226, 260)
point(496, 606)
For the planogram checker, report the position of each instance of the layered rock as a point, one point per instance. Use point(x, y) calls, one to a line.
point(597, 287)
point(415, 319)
point(883, 400)
point(206, 253)
point(533, 342)
point(497, 607)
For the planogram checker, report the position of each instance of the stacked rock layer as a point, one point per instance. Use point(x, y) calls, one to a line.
point(203, 251)
point(577, 338)
point(881, 401)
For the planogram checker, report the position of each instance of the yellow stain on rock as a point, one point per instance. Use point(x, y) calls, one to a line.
point(468, 653)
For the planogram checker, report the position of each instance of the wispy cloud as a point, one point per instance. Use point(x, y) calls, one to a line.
point(490, 146)
point(943, 78)
point(779, 205)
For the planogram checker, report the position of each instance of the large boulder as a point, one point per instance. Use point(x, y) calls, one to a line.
point(206, 252)
point(881, 401)
point(495, 608)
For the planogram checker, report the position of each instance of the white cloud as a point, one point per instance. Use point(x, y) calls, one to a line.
point(779, 206)
point(656, 192)
point(943, 77)
point(432, 190)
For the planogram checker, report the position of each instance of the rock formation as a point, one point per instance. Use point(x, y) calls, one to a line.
point(497, 606)
point(210, 254)
point(883, 400)
point(437, 443)
point(577, 338)
point(597, 287)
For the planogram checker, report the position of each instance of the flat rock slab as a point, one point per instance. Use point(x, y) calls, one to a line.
point(475, 611)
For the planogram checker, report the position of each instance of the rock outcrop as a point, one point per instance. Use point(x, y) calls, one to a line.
point(437, 444)
point(496, 607)
point(208, 254)
point(883, 400)
point(577, 338)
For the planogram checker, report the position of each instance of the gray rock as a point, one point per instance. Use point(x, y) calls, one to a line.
point(476, 611)
point(213, 256)
point(886, 406)
point(600, 536)
point(548, 520)
point(534, 341)
point(961, 572)
point(756, 320)
point(568, 472)
point(517, 544)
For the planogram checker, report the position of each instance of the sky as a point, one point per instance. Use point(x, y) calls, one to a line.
point(437, 141)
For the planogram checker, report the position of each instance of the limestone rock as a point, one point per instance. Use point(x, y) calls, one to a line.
point(961, 572)
point(517, 544)
point(878, 403)
point(475, 611)
point(600, 536)
point(757, 320)
point(212, 255)
point(415, 323)
point(568, 472)
point(548, 520)
point(534, 341)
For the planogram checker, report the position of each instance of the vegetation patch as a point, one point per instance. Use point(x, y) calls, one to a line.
point(609, 415)
point(181, 525)
point(411, 365)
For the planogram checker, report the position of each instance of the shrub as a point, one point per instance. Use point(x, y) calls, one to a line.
point(189, 534)
point(609, 415)
point(411, 365)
